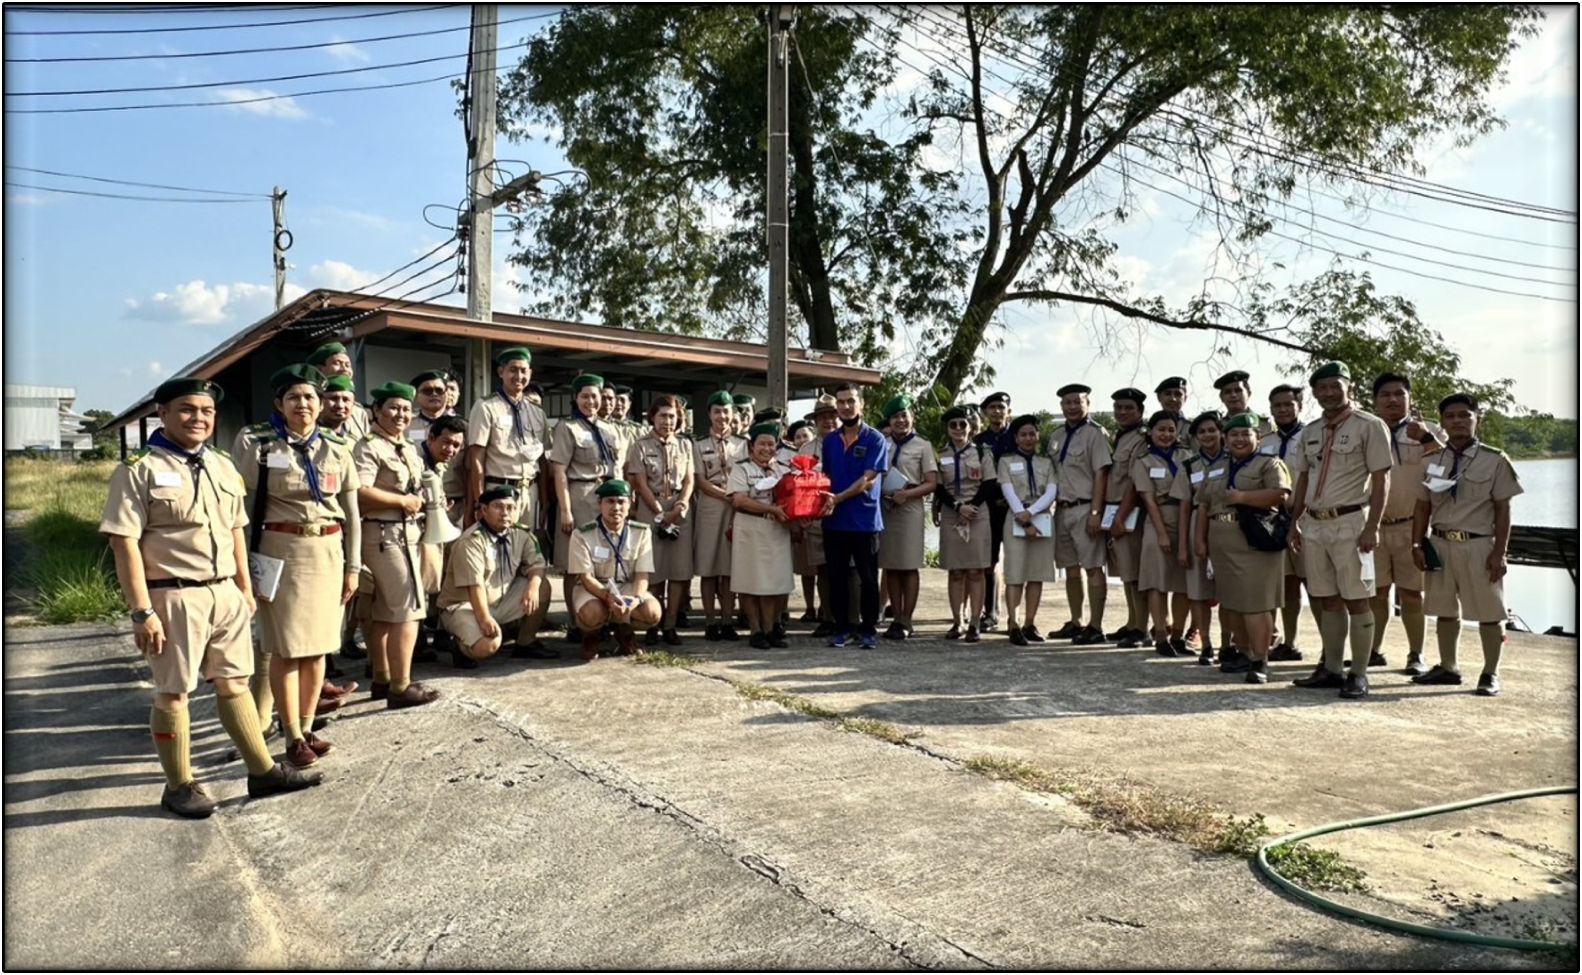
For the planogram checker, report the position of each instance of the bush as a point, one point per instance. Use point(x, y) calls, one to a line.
point(74, 586)
point(931, 558)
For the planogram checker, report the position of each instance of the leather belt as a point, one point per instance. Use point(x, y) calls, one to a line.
point(1395, 521)
point(513, 481)
point(583, 480)
point(311, 531)
point(1168, 501)
point(183, 583)
point(1330, 514)
point(1073, 504)
point(1225, 517)
point(1456, 536)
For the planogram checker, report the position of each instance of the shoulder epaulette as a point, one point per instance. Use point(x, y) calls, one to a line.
point(369, 437)
point(638, 525)
point(332, 436)
point(260, 427)
point(590, 526)
point(137, 455)
point(221, 452)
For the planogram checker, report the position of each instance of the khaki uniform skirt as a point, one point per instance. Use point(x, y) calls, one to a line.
point(711, 550)
point(901, 542)
point(760, 557)
point(584, 508)
point(1027, 559)
point(672, 556)
point(1200, 588)
point(974, 552)
point(387, 547)
point(1245, 579)
point(1160, 570)
point(304, 618)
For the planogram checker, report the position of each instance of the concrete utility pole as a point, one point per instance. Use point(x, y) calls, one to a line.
point(480, 180)
point(283, 242)
point(781, 16)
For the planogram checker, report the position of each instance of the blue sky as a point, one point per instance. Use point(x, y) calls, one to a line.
point(111, 295)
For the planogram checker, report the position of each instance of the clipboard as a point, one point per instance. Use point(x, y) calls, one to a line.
point(1042, 522)
point(266, 571)
point(1111, 510)
point(894, 481)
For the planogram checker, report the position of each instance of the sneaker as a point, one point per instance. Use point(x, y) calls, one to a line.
point(1439, 675)
point(282, 777)
point(1257, 672)
point(1320, 679)
point(987, 622)
point(1193, 639)
point(869, 641)
point(1285, 651)
point(1488, 686)
point(1414, 665)
point(1067, 632)
point(1031, 632)
point(838, 639)
point(300, 754)
point(188, 801)
point(1356, 687)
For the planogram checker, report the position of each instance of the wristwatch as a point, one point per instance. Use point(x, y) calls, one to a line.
point(140, 616)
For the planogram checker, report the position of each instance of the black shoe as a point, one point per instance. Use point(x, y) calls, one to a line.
point(331, 669)
point(351, 651)
point(1180, 647)
point(537, 650)
point(1131, 641)
point(1031, 632)
point(1067, 632)
point(1377, 659)
point(1206, 658)
point(1165, 648)
point(954, 633)
point(1285, 651)
point(1356, 687)
point(461, 661)
point(651, 638)
point(777, 639)
point(1488, 686)
point(424, 656)
point(741, 624)
point(1017, 636)
point(895, 632)
point(779, 631)
point(1235, 664)
point(682, 623)
point(671, 637)
point(1120, 634)
point(1414, 665)
point(1090, 637)
point(283, 777)
point(987, 622)
point(823, 630)
point(1258, 672)
point(1320, 679)
point(729, 634)
point(189, 801)
point(711, 633)
point(758, 641)
point(1439, 675)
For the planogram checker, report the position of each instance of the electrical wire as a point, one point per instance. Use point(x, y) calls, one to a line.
point(151, 186)
point(420, 257)
point(227, 103)
point(181, 30)
point(118, 196)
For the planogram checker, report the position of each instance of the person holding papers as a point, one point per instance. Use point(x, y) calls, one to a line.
point(961, 510)
point(1081, 453)
point(1027, 480)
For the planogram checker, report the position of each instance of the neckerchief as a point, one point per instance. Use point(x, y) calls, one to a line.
point(194, 460)
point(1455, 465)
point(598, 438)
point(1285, 438)
point(1211, 461)
point(1071, 434)
point(1032, 478)
point(502, 547)
point(956, 455)
point(620, 566)
point(1167, 455)
point(1395, 443)
point(1235, 467)
point(518, 409)
point(429, 464)
point(302, 447)
point(1330, 426)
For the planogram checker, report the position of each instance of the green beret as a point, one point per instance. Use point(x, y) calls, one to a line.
point(1132, 393)
point(1248, 420)
point(742, 399)
point(796, 428)
point(511, 355)
point(187, 386)
point(770, 414)
point(623, 390)
point(764, 430)
point(1070, 388)
point(1331, 370)
point(497, 493)
point(1023, 421)
point(898, 405)
point(955, 413)
point(614, 488)
point(297, 375)
point(340, 384)
point(424, 377)
point(1230, 379)
point(393, 391)
point(1174, 382)
point(1464, 398)
point(322, 354)
point(721, 398)
point(585, 380)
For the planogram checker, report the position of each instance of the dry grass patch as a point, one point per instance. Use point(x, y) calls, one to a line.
point(871, 727)
point(664, 658)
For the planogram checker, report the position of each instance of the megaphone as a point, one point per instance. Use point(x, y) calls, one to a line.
point(440, 530)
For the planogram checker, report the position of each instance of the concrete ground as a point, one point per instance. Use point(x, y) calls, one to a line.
point(621, 816)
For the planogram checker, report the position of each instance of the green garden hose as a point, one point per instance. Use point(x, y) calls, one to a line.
point(1447, 934)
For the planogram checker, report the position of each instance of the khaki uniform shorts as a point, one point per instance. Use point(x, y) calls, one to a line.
point(207, 633)
point(1393, 559)
point(462, 622)
point(1462, 588)
point(1126, 552)
point(581, 597)
point(385, 568)
point(1329, 552)
point(1073, 545)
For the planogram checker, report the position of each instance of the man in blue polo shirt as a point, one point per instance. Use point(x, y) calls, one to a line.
point(856, 458)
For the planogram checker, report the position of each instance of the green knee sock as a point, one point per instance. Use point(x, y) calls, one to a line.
point(1096, 599)
point(1332, 630)
point(292, 729)
point(1074, 597)
point(1448, 633)
point(258, 685)
point(1129, 590)
point(1139, 619)
point(1362, 628)
point(381, 677)
point(240, 721)
point(398, 686)
point(1381, 618)
point(1289, 614)
point(1492, 636)
point(173, 741)
point(1416, 624)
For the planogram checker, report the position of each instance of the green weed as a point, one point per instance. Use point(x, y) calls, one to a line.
point(1315, 868)
point(664, 658)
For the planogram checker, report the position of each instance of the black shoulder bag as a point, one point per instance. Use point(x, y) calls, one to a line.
point(1266, 529)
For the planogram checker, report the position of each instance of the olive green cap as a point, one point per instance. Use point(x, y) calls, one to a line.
point(322, 354)
point(187, 386)
point(393, 391)
point(614, 488)
point(1249, 420)
point(1331, 370)
point(296, 375)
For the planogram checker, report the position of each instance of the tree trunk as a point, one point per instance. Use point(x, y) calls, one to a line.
point(813, 297)
point(965, 346)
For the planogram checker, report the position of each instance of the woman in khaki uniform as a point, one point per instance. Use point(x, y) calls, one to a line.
point(609, 562)
point(1249, 583)
point(659, 469)
point(1027, 482)
point(966, 484)
point(760, 541)
point(714, 454)
point(584, 451)
point(901, 541)
point(1206, 462)
point(310, 522)
point(1160, 478)
point(391, 472)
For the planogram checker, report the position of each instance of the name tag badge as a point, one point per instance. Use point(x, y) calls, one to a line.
point(167, 479)
point(1197, 478)
point(947, 462)
point(600, 552)
point(279, 461)
point(332, 482)
point(1268, 450)
point(1158, 473)
point(1217, 472)
point(1017, 467)
point(1437, 470)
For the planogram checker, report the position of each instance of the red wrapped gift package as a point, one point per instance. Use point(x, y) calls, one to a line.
point(801, 493)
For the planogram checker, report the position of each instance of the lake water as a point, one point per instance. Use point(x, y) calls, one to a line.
point(1540, 598)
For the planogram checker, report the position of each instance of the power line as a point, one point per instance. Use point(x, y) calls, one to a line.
point(180, 30)
point(152, 186)
point(421, 257)
point(120, 196)
point(226, 103)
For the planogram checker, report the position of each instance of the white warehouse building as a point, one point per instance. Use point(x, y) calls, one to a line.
point(42, 417)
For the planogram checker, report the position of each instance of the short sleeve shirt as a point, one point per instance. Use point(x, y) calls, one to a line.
point(608, 557)
point(475, 561)
point(915, 459)
point(290, 497)
point(183, 521)
point(389, 465)
point(1483, 476)
point(1077, 466)
point(713, 457)
point(1407, 474)
point(1151, 476)
point(747, 475)
point(1261, 471)
point(492, 426)
point(665, 464)
point(1201, 471)
point(1360, 446)
point(578, 446)
point(1129, 446)
point(845, 466)
point(962, 472)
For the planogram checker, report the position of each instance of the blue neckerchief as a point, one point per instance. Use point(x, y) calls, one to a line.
point(194, 460)
point(957, 455)
point(1125, 430)
point(518, 425)
point(1168, 455)
point(1236, 467)
point(619, 565)
point(593, 428)
point(502, 544)
point(302, 447)
point(1032, 478)
point(1395, 443)
point(1285, 438)
point(1211, 461)
point(1071, 434)
point(1455, 465)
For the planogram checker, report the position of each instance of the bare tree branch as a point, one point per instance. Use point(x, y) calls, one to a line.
point(1131, 312)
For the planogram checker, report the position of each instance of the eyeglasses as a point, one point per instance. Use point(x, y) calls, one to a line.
point(432, 390)
point(958, 424)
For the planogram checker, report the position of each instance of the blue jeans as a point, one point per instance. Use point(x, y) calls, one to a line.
point(841, 550)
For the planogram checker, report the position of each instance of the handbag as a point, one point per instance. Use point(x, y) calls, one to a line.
point(1266, 529)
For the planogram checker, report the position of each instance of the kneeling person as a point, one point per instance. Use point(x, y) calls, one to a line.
point(495, 576)
point(608, 564)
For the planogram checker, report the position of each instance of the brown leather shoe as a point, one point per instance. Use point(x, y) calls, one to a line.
point(319, 745)
point(328, 704)
point(413, 696)
point(626, 642)
point(590, 646)
point(300, 753)
point(188, 801)
point(332, 690)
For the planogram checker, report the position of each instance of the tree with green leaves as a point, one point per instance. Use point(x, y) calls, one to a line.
point(1055, 115)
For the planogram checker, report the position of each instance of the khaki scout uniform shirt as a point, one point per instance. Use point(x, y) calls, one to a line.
point(1284, 444)
point(490, 426)
point(1199, 471)
point(744, 478)
point(475, 561)
point(574, 445)
point(915, 460)
point(1407, 474)
point(1089, 453)
point(971, 466)
point(1028, 479)
point(593, 552)
point(1129, 446)
point(664, 464)
point(417, 431)
point(1483, 476)
point(183, 521)
point(290, 501)
point(713, 456)
point(1361, 445)
point(1260, 472)
point(389, 465)
point(1150, 474)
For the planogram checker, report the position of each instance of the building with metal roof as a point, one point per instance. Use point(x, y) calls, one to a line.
point(42, 418)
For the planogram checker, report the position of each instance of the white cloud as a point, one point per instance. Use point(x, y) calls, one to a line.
point(347, 52)
point(32, 199)
point(339, 276)
point(251, 100)
point(155, 370)
point(196, 303)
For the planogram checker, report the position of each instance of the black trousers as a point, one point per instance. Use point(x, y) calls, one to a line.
point(998, 510)
point(842, 549)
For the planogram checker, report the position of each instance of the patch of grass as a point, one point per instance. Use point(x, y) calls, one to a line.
point(931, 558)
point(67, 562)
point(74, 586)
point(664, 658)
point(33, 485)
point(1316, 868)
point(57, 529)
point(871, 727)
point(1132, 807)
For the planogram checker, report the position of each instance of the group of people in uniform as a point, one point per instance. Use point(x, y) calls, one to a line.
point(318, 523)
